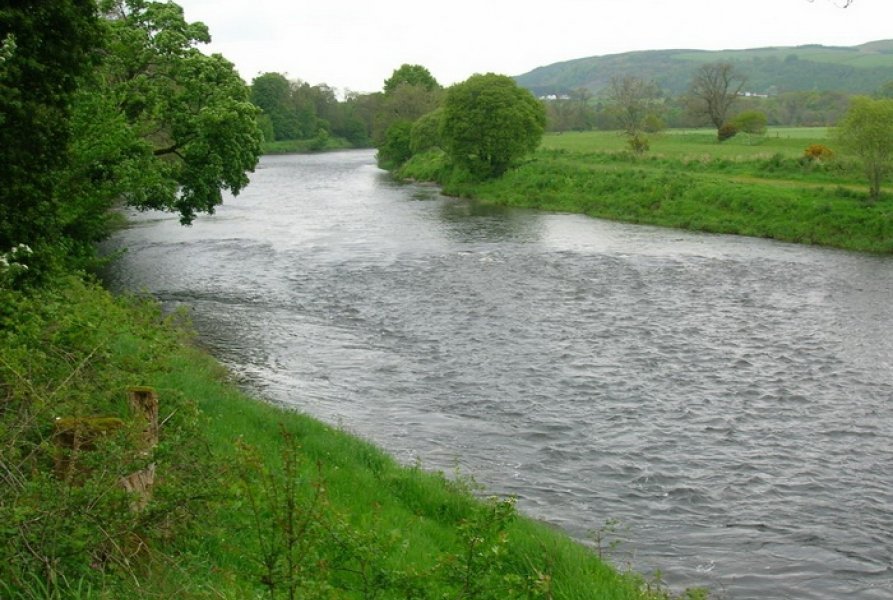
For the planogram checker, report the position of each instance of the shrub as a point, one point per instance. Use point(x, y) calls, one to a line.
point(727, 132)
point(818, 152)
point(395, 150)
point(638, 144)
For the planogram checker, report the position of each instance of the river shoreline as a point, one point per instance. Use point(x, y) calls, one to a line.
point(680, 383)
point(775, 196)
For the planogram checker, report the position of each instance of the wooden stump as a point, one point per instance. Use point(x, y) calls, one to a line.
point(74, 435)
point(144, 405)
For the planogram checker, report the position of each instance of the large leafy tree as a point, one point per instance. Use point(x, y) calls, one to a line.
point(46, 47)
point(489, 123)
point(185, 126)
point(867, 132)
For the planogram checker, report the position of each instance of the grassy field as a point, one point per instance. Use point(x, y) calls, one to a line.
point(250, 501)
point(761, 186)
point(697, 143)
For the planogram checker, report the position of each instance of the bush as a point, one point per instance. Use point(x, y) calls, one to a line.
point(653, 124)
point(396, 148)
point(727, 132)
point(818, 152)
point(638, 144)
point(425, 133)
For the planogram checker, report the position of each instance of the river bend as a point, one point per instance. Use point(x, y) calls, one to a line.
point(728, 400)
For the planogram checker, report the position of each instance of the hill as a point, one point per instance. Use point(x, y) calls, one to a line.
point(856, 69)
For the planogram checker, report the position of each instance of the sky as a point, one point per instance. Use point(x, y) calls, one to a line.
point(356, 44)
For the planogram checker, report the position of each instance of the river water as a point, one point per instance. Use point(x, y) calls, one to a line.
point(728, 400)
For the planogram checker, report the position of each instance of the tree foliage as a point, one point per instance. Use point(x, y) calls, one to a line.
point(867, 132)
point(112, 101)
point(415, 75)
point(751, 121)
point(190, 112)
point(425, 132)
point(47, 47)
point(271, 92)
point(489, 123)
point(713, 91)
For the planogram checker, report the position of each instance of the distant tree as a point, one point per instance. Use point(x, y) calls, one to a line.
point(489, 123)
point(272, 93)
point(867, 132)
point(752, 122)
point(362, 109)
point(571, 113)
point(411, 75)
point(631, 100)
point(406, 102)
point(713, 91)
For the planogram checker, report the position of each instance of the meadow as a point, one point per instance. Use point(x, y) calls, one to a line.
point(761, 186)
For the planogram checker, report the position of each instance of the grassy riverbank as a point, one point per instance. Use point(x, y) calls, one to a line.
point(318, 144)
point(755, 186)
point(250, 500)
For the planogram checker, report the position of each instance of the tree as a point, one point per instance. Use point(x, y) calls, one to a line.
point(411, 75)
point(867, 132)
point(632, 100)
point(409, 93)
point(185, 118)
point(713, 91)
point(271, 92)
point(489, 123)
point(571, 112)
point(752, 122)
point(47, 46)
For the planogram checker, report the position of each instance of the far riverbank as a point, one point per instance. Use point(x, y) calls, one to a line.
point(761, 187)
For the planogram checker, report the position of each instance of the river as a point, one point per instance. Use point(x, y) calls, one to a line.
point(728, 400)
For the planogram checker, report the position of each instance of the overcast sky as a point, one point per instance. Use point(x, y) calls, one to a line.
point(356, 44)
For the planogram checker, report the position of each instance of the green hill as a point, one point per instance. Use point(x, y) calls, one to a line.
point(857, 69)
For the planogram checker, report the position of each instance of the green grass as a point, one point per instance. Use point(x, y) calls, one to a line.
point(305, 146)
point(761, 187)
point(701, 143)
point(365, 526)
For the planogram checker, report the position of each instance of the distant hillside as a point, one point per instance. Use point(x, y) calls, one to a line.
point(858, 69)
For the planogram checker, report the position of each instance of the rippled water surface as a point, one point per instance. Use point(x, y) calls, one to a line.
point(728, 400)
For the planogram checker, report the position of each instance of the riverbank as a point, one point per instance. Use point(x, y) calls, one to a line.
point(249, 498)
point(318, 144)
point(759, 187)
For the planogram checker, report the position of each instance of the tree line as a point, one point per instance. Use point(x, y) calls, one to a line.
point(581, 110)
